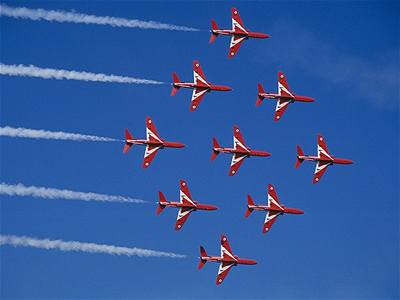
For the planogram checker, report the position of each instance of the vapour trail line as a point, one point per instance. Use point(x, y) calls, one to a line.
point(53, 193)
point(73, 17)
point(60, 74)
point(25, 241)
point(51, 135)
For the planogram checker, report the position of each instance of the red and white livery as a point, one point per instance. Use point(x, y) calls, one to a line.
point(240, 151)
point(284, 96)
point(238, 33)
point(274, 208)
point(186, 205)
point(324, 159)
point(200, 86)
point(227, 259)
point(153, 142)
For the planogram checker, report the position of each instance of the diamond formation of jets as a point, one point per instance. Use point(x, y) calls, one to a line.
point(153, 142)
point(238, 33)
point(284, 97)
point(200, 86)
point(240, 151)
point(274, 208)
point(324, 159)
point(227, 259)
point(186, 205)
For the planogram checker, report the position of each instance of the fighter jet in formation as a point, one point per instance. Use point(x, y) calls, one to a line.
point(227, 259)
point(186, 205)
point(284, 97)
point(324, 159)
point(240, 151)
point(200, 86)
point(239, 33)
point(274, 208)
point(153, 142)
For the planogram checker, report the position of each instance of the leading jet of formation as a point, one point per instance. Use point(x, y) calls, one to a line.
point(186, 205)
point(200, 86)
point(324, 159)
point(240, 151)
point(284, 97)
point(238, 33)
point(153, 142)
point(227, 259)
point(274, 208)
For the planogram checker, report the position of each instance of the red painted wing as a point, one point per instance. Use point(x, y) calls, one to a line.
point(226, 251)
point(151, 131)
point(281, 106)
point(237, 23)
point(238, 141)
point(236, 41)
point(323, 151)
point(199, 77)
point(270, 219)
point(237, 160)
point(283, 86)
point(273, 201)
point(183, 215)
point(197, 96)
point(185, 196)
point(320, 169)
point(223, 271)
point(149, 155)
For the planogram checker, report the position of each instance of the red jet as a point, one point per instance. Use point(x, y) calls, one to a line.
point(153, 142)
point(200, 86)
point(274, 208)
point(186, 205)
point(324, 159)
point(284, 97)
point(240, 151)
point(239, 33)
point(227, 260)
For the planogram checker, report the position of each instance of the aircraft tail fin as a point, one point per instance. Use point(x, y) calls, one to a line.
point(203, 253)
point(249, 210)
point(175, 88)
point(259, 97)
point(127, 145)
point(298, 160)
point(214, 35)
point(214, 152)
point(160, 206)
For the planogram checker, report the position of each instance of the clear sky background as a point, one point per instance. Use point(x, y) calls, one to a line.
point(346, 245)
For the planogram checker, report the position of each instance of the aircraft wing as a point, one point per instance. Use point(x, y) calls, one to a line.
point(149, 155)
point(199, 77)
point(197, 96)
point(283, 86)
point(183, 215)
point(281, 106)
point(151, 131)
point(322, 148)
point(185, 196)
point(236, 41)
point(270, 219)
point(273, 201)
point(237, 24)
point(237, 160)
point(238, 141)
point(223, 271)
point(226, 251)
point(320, 169)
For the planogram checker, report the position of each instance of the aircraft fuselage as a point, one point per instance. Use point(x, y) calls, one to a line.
point(334, 160)
point(191, 85)
point(155, 143)
point(256, 35)
point(295, 98)
point(243, 152)
point(236, 261)
point(197, 206)
point(286, 210)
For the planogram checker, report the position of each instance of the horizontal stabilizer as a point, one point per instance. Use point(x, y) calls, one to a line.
point(249, 210)
point(213, 35)
point(160, 206)
point(175, 88)
point(214, 153)
point(298, 160)
point(259, 97)
point(203, 253)
point(128, 136)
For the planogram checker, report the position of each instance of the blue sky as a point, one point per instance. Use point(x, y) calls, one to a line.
point(346, 245)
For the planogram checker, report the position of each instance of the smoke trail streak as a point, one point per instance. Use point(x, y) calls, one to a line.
point(60, 74)
point(24, 241)
point(65, 16)
point(51, 135)
point(52, 193)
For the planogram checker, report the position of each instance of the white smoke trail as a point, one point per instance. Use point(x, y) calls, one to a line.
point(24, 241)
point(60, 74)
point(65, 16)
point(52, 193)
point(50, 135)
